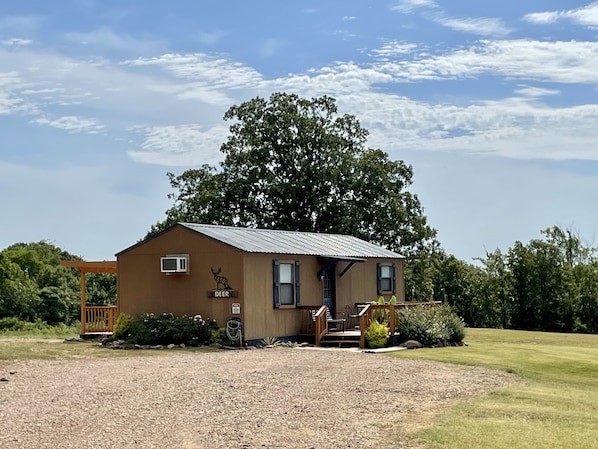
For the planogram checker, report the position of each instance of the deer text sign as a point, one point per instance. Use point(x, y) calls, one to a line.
point(223, 294)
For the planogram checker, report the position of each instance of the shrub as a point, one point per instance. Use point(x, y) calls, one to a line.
point(376, 335)
point(218, 336)
point(122, 326)
point(12, 324)
point(15, 326)
point(431, 325)
point(164, 329)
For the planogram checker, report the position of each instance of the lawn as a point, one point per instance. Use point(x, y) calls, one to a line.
point(555, 407)
point(48, 346)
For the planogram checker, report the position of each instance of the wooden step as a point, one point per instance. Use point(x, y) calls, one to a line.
point(341, 340)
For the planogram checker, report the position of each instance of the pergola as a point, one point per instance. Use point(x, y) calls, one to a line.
point(94, 319)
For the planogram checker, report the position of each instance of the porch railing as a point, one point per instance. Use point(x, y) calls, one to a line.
point(98, 319)
point(386, 313)
point(315, 322)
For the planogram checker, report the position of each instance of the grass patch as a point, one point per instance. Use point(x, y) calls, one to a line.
point(555, 408)
point(32, 348)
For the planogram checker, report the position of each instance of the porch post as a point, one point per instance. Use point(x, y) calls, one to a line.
point(82, 282)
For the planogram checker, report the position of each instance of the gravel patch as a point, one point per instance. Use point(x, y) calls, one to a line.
point(272, 398)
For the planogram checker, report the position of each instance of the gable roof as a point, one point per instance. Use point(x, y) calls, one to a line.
point(253, 240)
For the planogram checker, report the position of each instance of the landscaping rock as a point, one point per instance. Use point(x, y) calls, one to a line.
point(412, 344)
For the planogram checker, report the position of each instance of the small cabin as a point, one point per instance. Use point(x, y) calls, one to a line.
point(267, 279)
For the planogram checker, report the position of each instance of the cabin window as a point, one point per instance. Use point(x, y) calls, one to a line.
point(286, 284)
point(386, 278)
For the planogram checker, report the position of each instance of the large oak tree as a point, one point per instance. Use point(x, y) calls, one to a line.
point(296, 164)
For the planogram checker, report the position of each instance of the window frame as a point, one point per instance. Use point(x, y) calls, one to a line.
point(392, 278)
point(276, 284)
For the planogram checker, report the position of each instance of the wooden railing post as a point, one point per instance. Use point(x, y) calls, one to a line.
point(321, 324)
point(364, 322)
point(82, 289)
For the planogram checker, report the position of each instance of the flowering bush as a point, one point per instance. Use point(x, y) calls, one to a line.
point(164, 329)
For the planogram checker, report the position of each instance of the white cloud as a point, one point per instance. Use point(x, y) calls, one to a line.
point(563, 62)
point(182, 145)
point(15, 41)
point(71, 124)
point(408, 6)
point(394, 48)
point(479, 26)
point(10, 103)
point(586, 16)
point(542, 17)
point(163, 94)
point(534, 92)
point(210, 78)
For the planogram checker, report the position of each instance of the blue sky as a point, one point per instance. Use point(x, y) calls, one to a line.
point(495, 104)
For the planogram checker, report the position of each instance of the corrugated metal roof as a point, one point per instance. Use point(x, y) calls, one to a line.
point(292, 242)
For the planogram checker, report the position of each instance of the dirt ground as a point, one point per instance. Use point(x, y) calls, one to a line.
point(269, 398)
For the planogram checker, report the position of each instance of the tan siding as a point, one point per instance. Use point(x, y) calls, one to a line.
point(262, 319)
point(142, 288)
point(359, 283)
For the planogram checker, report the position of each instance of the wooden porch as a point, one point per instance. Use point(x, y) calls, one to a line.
point(94, 319)
point(316, 322)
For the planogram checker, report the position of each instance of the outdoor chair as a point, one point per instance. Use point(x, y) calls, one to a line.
point(352, 317)
point(338, 323)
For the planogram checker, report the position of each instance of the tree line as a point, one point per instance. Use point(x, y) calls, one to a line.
point(550, 283)
point(296, 164)
point(34, 286)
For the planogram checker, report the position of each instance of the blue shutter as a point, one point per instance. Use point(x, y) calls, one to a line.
point(297, 284)
point(394, 279)
point(379, 278)
point(276, 284)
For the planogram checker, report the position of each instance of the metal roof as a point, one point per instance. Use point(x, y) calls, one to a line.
point(292, 242)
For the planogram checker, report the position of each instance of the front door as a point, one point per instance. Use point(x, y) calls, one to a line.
point(328, 287)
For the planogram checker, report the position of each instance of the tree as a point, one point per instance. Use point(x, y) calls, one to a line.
point(19, 295)
point(33, 284)
point(296, 164)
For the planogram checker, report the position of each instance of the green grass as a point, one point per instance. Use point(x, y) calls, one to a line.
point(29, 347)
point(47, 345)
point(555, 407)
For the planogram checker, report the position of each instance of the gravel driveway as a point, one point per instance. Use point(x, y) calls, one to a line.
point(272, 398)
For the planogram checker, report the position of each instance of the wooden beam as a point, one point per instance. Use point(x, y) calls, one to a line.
point(83, 314)
point(106, 266)
point(347, 268)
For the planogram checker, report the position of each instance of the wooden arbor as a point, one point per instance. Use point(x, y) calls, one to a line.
point(96, 318)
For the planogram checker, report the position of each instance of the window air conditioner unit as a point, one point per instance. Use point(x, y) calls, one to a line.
point(174, 264)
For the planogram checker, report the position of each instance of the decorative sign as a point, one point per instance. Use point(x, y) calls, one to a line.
point(223, 294)
point(221, 281)
point(222, 290)
point(236, 308)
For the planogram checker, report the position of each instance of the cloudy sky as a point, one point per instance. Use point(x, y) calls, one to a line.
point(495, 105)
